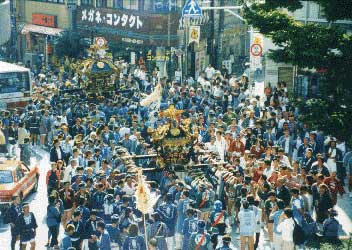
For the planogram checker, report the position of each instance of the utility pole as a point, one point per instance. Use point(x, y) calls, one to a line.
point(72, 6)
point(216, 42)
point(212, 32)
point(13, 55)
point(220, 35)
point(46, 54)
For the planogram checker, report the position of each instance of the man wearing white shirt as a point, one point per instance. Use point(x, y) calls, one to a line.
point(141, 75)
point(136, 72)
point(201, 78)
point(267, 168)
point(129, 187)
point(220, 145)
point(22, 133)
point(66, 147)
point(232, 80)
point(124, 130)
point(209, 71)
point(286, 227)
point(64, 118)
point(70, 171)
point(178, 75)
point(283, 158)
point(206, 85)
point(211, 145)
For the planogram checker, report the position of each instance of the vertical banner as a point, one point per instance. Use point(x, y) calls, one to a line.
point(160, 61)
point(133, 57)
point(256, 51)
point(199, 62)
point(194, 34)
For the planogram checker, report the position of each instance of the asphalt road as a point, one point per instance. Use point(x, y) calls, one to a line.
point(38, 204)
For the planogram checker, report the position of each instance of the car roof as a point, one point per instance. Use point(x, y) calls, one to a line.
point(8, 164)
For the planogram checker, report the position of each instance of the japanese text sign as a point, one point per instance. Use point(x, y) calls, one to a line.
point(44, 20)
point(129, 26)
point(99, 17)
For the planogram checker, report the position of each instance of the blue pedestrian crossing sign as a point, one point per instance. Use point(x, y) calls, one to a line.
point(192, 9)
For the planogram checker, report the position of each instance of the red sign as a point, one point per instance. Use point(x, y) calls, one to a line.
point(256, 50)
point(44, 20)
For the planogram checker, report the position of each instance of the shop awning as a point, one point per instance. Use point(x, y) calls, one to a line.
point(40, 29)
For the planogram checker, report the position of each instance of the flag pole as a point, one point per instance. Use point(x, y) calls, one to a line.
point(145, 232)
point(143, 202)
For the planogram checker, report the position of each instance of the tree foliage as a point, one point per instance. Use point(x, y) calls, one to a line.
point(68, 44)
point(336, 9)
point(313, 46)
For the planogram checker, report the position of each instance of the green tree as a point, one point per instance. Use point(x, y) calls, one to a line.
point(68, 44)
point(313, 46)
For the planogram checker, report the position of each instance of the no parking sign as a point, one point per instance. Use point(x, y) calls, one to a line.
point(256, 49)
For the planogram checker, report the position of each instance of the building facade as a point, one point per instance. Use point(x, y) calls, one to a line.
point(152, 31)
point(5, 27)
point(39, 22)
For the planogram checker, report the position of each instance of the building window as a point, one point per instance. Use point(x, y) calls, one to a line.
point(51, 1)
point(165, 5)
point(321, 14)
point(117, 4)
point(130, 4)
point(87, 2)
point(101, 3)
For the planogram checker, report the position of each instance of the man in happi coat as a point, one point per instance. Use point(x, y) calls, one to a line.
point(27, 225)
point(158, 230)
point(168, 212)
point(201, 239)
point(190, 226)
point(217, 221)
point(182, 207)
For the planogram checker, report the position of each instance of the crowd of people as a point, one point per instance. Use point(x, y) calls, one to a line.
point(273, 174)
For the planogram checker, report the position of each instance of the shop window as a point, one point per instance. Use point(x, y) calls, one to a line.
point(101, 3)
point(87, 2)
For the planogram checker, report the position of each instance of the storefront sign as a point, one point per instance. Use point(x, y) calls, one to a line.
point(184, 21)
point(44, 20)
point(128, 26)
point(111, 19)
point(132, 40)
point(158, 56)
point(194, 34)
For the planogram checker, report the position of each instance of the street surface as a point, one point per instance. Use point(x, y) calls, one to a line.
point(38, 204)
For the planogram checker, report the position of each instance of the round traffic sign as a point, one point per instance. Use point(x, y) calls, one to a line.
point(100, 41)
point(256, 50)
